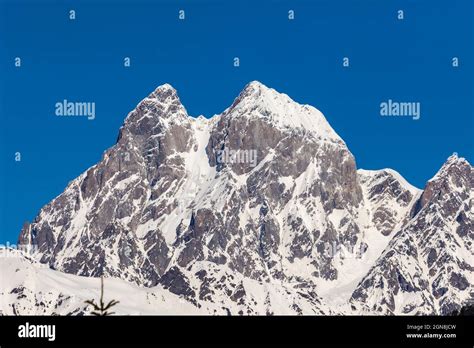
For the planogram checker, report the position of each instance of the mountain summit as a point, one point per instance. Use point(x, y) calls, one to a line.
point(257, 100)
point(260, 210)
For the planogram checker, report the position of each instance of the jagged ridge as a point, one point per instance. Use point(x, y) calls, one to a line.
point(161, 208)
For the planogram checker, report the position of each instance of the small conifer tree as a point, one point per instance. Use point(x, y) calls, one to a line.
point(101, 309)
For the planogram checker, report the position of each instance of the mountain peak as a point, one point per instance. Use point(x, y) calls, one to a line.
point(158, 110)
point(164, 92)
point(252, 93)
point(454, 158)
point(453, 165)
point(259, 101)
point(455, 175)
point(255, 86)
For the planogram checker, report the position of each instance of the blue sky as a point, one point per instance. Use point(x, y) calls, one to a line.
point(82, 60)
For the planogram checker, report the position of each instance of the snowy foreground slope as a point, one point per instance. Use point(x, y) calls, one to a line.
point(286, 226)
point(30, 288)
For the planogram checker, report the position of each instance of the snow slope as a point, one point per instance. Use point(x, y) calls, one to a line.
point(31, 288)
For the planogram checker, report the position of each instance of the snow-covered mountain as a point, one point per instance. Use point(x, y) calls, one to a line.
point(428, 265)
point(257, 210)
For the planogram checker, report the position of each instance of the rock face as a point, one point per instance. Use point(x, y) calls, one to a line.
point(265, 198)
point(390, 198)
point(428, 265)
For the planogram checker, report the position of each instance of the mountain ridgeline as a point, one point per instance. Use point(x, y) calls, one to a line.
point(296, 230)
